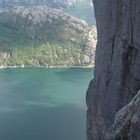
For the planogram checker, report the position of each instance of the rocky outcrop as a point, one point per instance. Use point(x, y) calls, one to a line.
point(116, 77)
point(81, 9)
point(127, 121)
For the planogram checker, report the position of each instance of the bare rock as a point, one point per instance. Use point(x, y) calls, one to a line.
point(127, 121)
point(117, 67)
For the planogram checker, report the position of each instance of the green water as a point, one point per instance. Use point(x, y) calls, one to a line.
point(43, 104)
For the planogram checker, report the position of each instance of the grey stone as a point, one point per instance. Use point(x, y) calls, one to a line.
point(127, 121)
point(117, 67)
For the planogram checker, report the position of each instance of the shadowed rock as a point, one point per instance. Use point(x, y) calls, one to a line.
point(117, 79)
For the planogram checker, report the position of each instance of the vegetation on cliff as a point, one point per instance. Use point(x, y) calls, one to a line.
point(41, 36)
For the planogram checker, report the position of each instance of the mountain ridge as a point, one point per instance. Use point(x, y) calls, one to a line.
point(81, 9)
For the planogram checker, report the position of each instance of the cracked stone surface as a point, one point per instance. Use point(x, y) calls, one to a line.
point(117, 71)
point(127, 121)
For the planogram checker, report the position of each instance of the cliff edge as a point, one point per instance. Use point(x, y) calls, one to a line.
point(116, 77)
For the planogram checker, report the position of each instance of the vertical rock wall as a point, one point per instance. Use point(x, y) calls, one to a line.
point(117, 71)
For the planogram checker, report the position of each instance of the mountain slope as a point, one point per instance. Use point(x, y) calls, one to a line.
point(41, 36)
point(50, 3)
point(82, 9)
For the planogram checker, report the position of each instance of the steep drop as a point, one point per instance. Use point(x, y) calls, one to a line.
point(116, 80)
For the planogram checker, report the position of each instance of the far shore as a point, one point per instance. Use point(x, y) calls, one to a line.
point(23, 66)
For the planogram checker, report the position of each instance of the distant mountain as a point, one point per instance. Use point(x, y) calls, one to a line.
point(81, 9)
point(51, 3)
point(41, 36)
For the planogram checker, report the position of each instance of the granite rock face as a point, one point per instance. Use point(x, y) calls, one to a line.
point(117, 72)
point(127, 121)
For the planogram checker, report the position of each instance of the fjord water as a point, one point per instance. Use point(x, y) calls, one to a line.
point(43, 104)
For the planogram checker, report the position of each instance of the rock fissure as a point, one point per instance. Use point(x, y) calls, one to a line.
point(112, 53)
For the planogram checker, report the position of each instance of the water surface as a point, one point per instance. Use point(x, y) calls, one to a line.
point(43, 104)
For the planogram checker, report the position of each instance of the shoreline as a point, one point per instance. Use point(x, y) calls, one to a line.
point(14, 67)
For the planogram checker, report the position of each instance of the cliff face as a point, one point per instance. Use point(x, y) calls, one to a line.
point(117, 72)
